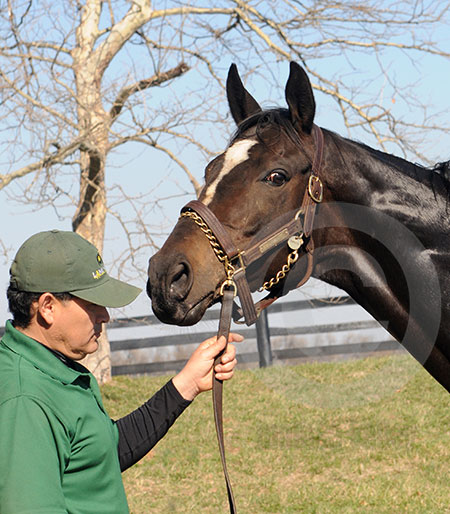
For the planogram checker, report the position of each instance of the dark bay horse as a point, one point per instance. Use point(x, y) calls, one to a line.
point(381, 231)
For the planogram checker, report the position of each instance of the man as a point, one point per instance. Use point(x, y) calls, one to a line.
point(59, 450)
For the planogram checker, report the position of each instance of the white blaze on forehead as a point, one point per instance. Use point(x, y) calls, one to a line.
point(236, 154)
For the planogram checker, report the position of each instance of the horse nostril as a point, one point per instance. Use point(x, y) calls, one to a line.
point(180, 281)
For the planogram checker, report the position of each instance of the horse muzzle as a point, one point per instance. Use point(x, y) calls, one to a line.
point(181, 282)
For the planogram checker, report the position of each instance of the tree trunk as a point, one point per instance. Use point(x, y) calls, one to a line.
point(90, 216)
point(89, 222)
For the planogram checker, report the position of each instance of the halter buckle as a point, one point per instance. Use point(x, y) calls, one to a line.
point(315, 188)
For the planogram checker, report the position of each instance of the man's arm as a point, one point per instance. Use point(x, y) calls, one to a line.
point(143, 428)
point(140, 430)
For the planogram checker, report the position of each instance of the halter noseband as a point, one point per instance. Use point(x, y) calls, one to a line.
point(295, 232)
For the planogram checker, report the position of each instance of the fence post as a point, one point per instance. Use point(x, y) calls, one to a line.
point(263, 340)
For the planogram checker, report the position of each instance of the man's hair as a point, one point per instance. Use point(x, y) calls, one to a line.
point(19, 303)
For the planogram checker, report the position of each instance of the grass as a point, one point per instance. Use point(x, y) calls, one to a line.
point(371, 435)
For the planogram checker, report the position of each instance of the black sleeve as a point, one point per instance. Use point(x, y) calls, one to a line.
point(140, 430)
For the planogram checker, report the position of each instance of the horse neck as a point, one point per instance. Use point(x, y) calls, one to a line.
point(376, 231)
point(413, 195)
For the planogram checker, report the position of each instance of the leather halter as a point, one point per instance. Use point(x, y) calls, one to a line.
point(236, 261)
point(236, 281)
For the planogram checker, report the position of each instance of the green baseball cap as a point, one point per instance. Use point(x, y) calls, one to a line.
point(64, 262)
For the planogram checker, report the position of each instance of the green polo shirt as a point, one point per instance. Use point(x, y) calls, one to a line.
point(58, 446)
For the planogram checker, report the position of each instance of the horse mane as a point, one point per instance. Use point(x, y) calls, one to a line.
point(437, 175)
point(443, 169)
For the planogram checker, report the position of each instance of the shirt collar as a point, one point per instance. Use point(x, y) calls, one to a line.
point(40, 356)
point(63, 358)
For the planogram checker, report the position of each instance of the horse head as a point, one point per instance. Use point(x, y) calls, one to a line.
point(257, 183)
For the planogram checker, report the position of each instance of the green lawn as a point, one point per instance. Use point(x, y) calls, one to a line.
point(370, 435)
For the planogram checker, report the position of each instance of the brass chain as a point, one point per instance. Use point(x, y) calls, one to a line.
point(229, 268)
point(291, 259)
point(220, 254)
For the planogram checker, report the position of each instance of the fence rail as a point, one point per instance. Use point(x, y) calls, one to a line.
point(263, 333)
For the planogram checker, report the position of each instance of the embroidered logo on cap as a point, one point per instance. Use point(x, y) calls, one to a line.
point(100, 271)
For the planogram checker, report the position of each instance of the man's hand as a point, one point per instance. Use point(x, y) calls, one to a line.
point(196, 376)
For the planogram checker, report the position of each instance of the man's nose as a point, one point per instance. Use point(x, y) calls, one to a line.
point(103, 315)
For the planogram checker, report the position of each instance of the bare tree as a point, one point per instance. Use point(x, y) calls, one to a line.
point(81, 79)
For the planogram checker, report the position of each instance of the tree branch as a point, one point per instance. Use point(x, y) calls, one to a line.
point(29, 99)
point(141, 85)
point(138, 15)
point(46, 161)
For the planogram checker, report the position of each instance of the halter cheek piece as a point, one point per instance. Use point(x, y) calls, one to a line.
point(296, 232)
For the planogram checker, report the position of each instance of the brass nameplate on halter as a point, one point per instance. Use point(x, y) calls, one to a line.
point(274, 241)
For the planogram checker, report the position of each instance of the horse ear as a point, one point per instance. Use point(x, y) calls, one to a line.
point(241, 102)
point(300, 98)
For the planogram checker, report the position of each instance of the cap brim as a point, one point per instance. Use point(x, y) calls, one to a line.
point(110, 293)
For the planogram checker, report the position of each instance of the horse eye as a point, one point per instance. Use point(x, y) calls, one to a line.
point(276, 178)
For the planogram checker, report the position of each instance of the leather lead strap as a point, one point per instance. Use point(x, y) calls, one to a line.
point(217, 390)
point(313, 196)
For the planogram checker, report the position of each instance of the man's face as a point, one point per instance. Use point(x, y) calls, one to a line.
point(77, 327)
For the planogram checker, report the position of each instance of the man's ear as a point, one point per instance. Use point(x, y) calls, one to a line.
point(45, 308)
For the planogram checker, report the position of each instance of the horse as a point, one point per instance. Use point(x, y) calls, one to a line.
point(370, 223)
